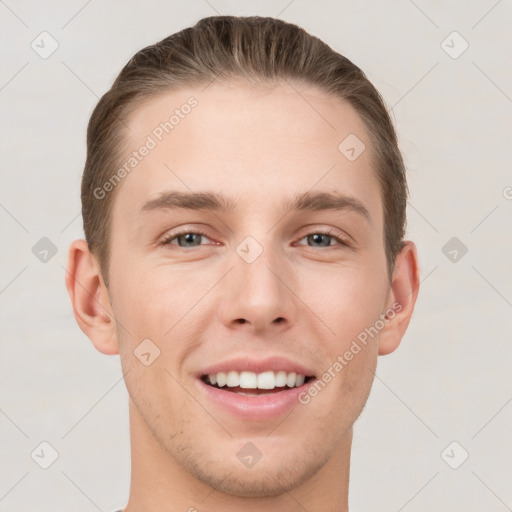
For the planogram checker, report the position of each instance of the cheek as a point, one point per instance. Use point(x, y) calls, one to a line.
point(349, 302)
point(346, 300)
point(150, 302)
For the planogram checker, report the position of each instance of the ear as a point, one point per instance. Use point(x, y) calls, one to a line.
point(402, 298)
point(90, 298)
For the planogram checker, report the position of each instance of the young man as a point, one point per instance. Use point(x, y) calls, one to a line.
point(244, 211)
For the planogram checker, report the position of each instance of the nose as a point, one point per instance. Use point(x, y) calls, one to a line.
point(258, 296)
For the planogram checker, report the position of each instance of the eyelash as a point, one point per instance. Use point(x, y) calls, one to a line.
point(340, 239)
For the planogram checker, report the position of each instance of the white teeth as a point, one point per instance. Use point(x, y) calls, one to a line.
point(233, 379)
point(251, 380)
point(248, 380)
point(266, 380)
point(221, 379)
point(291, 379)
point(280, 379)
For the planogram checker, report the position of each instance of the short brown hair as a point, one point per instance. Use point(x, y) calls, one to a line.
point(260, 50)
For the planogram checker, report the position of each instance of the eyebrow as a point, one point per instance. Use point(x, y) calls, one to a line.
point(215, 201)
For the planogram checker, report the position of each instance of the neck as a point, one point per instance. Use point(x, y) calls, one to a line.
point(159, 482)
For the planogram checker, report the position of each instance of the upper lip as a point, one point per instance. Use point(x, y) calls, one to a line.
point(250, 364)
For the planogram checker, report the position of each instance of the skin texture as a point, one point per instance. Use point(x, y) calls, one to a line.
point(259, 146)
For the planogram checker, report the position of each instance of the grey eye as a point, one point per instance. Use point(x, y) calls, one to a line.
point(189, 239)
point(321, 239)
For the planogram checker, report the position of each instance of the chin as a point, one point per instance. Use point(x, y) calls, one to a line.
point(255, 483)
point(272, 475)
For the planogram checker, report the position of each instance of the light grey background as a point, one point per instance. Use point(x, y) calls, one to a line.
point(450, 379)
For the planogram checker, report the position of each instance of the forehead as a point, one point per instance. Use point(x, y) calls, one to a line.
point(254, 144)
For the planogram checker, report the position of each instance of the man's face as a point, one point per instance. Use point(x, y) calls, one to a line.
point(258, 288)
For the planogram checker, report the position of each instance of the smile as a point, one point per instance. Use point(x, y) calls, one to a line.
point(254, 383)
point(244, 388)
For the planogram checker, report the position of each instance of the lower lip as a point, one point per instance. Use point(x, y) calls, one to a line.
point(256, 407)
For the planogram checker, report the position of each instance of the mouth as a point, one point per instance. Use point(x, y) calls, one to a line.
point(254, 391)
point(247, 383)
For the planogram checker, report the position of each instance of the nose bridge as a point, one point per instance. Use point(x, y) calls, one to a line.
point(256, 269)
point(258, 293)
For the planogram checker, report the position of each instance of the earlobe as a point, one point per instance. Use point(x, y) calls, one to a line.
point(90, 299)
point(402, 298)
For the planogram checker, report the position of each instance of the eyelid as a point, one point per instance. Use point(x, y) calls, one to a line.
point(340, 236)
point(169, 236)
